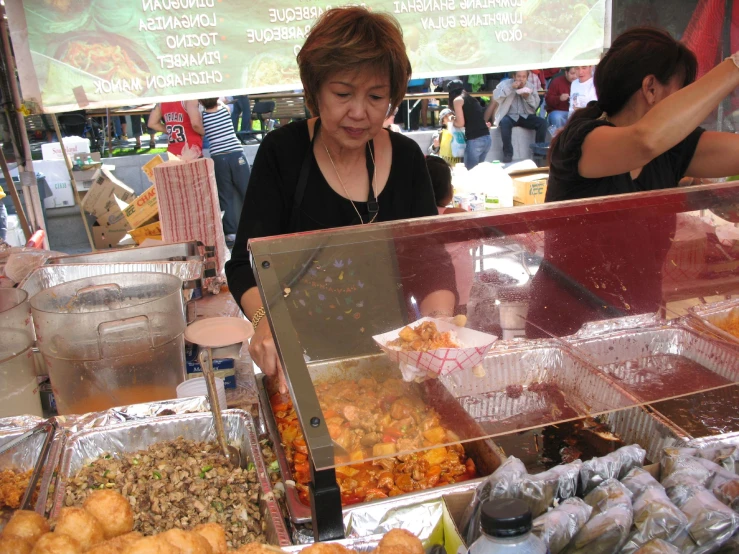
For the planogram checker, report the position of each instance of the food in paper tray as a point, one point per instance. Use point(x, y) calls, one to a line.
point(13, 485)
point(424, 337)
point(179, 483)
point(436, 347)
point(730, 323)
point(370, 419)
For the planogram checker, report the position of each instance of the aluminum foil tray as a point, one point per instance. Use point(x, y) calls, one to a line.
point(24, 456)
point(365, 544)
point(641, 426)
point(486, 455)
point(80, 447)
point(490, 399)
point(710, 314)
point(673, 360)
point(47, 276)
point(178, 250)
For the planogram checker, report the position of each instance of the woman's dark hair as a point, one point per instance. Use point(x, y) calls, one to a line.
point(209, 103)
point(441, 178)
point(634, 55)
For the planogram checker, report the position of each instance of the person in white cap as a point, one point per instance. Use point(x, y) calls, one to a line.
point(441, 141)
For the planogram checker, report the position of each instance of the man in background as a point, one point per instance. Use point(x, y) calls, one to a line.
point(518, 100)
point(582, 91)
point(240, 107)
point(558, 98)
point(181, 121)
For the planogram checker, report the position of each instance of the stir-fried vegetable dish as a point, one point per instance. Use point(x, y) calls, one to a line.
point(370, 419)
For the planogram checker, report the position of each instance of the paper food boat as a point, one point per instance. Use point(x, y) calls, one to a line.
point(442, 361)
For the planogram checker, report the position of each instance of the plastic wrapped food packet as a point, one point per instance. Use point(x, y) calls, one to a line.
point(615, 465)
point(499, 485)
point(684, 490)
point(655, 517)
point(676, 468)
point(557, 527)
point(657, 546)
point(597, 470)
point(631, 456)
point(728, 493)
point(604, 533)
point(540, 490)
point(638, 480)
point(721, 475)
point(608, 495)
point(711, 523)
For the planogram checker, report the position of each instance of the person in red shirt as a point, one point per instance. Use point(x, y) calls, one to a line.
point(181, 121)
point(558, 98)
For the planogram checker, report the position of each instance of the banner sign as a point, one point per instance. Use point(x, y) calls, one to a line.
point(106, 53)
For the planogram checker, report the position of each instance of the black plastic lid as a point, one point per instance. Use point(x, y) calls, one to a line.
point(505, 517)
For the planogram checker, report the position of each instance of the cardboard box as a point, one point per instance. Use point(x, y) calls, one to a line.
point(141, 210)
point(114, 220)
point(104, 191)
point(530, 189)
point(57, 177)
point(149, 166)
point(104, 238)
point(153, 230)
point(73, 145)
point(85, 174)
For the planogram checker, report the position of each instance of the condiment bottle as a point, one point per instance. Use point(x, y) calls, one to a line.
point(506, 529)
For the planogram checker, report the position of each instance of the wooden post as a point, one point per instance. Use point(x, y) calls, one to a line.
point(16, 199)
point(73, 182)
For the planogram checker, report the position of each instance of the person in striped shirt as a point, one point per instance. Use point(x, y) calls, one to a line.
point(231, 168)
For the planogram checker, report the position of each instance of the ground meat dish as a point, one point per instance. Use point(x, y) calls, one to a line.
point(178, 484)
point(372, 419)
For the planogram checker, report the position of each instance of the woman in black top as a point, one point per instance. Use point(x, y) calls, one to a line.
point(642, 134)
point(338, 170)
point(468, 113)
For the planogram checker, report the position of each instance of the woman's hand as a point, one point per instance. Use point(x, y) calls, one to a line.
point(264, 353)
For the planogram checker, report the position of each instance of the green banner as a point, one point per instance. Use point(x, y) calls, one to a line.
point(107, 53)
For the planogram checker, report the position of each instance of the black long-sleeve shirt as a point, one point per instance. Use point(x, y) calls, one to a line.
point(274, 177)
point(350, 293)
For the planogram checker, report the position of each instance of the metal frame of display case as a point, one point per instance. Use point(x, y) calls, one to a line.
point(325, 494)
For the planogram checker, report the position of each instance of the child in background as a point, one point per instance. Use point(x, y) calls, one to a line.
point(441, 141)
point(460, 252)
point(441, 181)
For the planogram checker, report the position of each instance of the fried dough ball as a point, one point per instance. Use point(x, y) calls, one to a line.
point(56, 543)
point(399, 541)
point(81, 526)
point(117, 545)
point(152, 545)
point(112, 510)
point(187, 542)
point(324, 548)
point(14, 545)
point(215, 535)
point(27, 525)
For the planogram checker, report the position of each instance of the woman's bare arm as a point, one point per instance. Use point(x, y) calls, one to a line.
point(615, 150)
point(717, 155)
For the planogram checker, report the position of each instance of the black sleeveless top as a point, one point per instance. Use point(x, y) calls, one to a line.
point(474, 122)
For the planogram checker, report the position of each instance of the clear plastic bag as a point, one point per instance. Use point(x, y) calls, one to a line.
point(615, 465)
point(557, 527)
point(499, 485)
point(657, 546)
point(639, 480)
point(711, 523)
point(608, 495)
point(655, 517)
point(675, 469)
point(604, 533)
point(540, 490)
point(728, 493)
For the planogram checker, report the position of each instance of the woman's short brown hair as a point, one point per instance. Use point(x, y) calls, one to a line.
point(353, 39)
